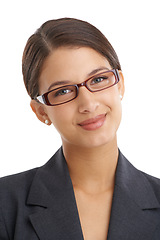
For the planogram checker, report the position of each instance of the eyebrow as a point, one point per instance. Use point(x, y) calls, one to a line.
point(59, 83)
point(97, 70)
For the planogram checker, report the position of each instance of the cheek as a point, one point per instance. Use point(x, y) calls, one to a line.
point(61, 117)
point(117, 111)
point(111, 98)
point(113, 102)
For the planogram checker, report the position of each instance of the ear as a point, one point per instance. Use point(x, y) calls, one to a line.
point(121, 86)
point(39, 110)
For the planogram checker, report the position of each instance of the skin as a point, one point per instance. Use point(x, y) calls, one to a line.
point(91, 155)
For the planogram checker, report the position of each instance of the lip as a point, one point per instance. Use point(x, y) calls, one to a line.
point(93, 123)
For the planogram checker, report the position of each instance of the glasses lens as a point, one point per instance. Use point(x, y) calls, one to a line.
point(62, 95)
point(101, 81)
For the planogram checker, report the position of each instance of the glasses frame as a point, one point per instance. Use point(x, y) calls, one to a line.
point(44, 97)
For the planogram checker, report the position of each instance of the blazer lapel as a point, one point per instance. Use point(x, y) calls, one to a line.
point(133, 214)
point(51, 196)
point(54, 211)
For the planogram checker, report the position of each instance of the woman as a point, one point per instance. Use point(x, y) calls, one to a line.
point(88, 189)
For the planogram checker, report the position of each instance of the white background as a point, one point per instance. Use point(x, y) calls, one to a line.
point(133, 28)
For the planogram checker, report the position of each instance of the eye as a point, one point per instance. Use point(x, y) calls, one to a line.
point(98, 80)
point(65, 91)
point(62, 92)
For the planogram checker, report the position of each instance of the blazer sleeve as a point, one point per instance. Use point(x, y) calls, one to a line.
point(3, 231)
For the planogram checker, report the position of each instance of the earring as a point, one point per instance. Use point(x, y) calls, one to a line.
point(46, 121)
point(121, 97)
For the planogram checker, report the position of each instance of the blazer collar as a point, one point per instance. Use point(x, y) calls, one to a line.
point(52, 193)
point(133, 214)
point(56, 215)
point(135, 184)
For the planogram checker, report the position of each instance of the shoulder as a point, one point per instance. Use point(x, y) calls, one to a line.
point(130, 170)
point(16, 187)
point(16, 184)
point(14, 190)
point(137, 183)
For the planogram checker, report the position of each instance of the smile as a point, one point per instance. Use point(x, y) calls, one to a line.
point(93, 123)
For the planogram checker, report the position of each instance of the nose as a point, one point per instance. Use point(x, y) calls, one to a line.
point(87, 103)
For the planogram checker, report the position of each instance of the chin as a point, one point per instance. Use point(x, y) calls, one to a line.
point(96, 141)
point(91, 139)
point(101, 142)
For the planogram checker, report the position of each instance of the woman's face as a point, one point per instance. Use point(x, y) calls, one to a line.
point(92, 119)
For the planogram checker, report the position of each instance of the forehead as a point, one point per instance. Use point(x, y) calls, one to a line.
point(73, 64)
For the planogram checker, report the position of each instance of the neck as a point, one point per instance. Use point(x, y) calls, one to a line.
point(92, 169)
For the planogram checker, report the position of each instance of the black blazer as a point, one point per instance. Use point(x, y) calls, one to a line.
point(40, 204)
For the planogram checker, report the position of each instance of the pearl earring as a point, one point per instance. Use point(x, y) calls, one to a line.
point(121, 97)
point(46, 121)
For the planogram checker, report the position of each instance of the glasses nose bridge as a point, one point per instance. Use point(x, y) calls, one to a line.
point(83, 84)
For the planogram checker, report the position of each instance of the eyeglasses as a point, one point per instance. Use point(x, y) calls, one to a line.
point(68, 93)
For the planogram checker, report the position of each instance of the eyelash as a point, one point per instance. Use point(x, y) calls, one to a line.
point(58, 93)
point(102, 78)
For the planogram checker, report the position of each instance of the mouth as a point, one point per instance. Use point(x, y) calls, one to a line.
point(93, 123)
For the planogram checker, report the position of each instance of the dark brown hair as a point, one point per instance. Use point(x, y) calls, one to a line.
point(56, 33)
